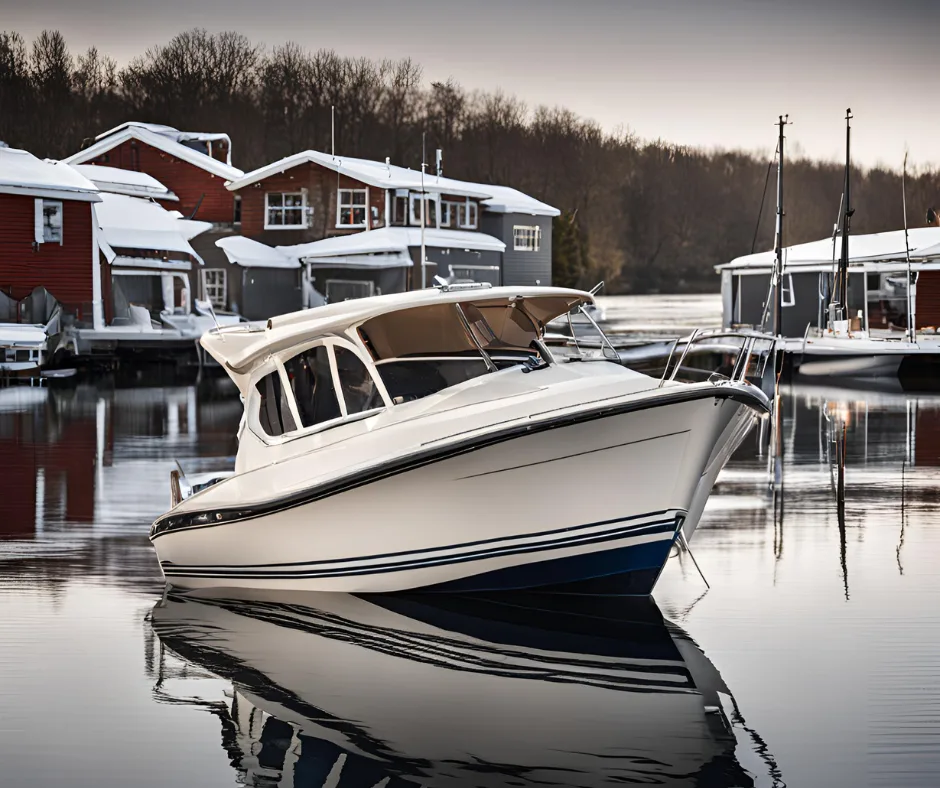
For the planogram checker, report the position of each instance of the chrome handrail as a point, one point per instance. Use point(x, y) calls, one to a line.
point(668, 361)
point(604, 338)
point(742, 360)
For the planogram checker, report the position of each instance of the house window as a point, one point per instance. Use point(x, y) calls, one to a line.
point(285, 211)
point(213, 286)
point(467, 215)
point(237, 217)
point(346, 289)
point(787, 293)
point(430, 218)
point(48, 221)
point(449, 213)
point(400, 210)
point(351, 208)
point(526, 239)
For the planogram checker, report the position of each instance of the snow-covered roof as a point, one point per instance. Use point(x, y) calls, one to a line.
point(23, 173)
point(162, 138)
point(253, 254)
point(509, 200)
point(370, 261)
point(924, 243)
point(133, 223)
point(118, 181)
point(372, 173)
point(394, 239)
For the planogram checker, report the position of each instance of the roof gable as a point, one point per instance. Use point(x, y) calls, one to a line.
point(372, 173)
point(161, 141)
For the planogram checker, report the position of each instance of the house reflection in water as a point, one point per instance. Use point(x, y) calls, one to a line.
point(84, 455)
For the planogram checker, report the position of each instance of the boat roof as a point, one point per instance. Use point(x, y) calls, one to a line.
point(240, 348)
point(924, 244)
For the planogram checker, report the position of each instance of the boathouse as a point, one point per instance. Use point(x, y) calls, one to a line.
point(877, 293)
point(48, 242)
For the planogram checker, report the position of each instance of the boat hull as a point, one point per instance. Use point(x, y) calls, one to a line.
point(590, 505)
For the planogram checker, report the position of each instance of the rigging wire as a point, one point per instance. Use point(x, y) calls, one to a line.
point(763, 197)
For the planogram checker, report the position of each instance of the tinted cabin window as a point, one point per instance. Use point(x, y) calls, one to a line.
point(274, 414)
point(312, 382)
point(357, 384)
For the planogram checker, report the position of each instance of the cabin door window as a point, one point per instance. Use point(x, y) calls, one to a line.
point(360, 394)
point(311, 379)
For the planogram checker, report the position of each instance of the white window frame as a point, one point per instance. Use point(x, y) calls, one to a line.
point(464, 212)
point(328, 282)
point(351, 205)
point(303, 210)
point(449, 213)
point(787, 294)
point(526, 237)
point(40, 226)
point(276, 364)
point(207, 287)
point(429, 199)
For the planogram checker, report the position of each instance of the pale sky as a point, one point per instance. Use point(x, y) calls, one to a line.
point(714, 73)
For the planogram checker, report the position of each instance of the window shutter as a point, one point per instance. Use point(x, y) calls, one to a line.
point(37, 221)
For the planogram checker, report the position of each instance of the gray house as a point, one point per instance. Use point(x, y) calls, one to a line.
point(524, 224)
point(257, 281)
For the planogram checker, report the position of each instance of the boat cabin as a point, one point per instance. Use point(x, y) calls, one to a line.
point(310, 371)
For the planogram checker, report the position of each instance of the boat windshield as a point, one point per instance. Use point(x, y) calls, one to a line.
point(423, 350)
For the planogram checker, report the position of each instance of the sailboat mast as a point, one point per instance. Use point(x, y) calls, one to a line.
point(778, 236)
point(842, 279)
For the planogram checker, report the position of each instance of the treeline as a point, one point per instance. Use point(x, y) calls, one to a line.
point(646, 216)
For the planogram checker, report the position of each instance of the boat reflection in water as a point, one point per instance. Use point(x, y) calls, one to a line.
point(340, 691)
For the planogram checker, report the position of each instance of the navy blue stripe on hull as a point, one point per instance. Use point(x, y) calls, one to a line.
point(647, 529)
point(630, 571)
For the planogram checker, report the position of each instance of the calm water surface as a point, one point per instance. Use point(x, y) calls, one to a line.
point(813, 660)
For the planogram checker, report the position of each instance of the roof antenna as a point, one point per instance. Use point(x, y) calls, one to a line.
point(911, 279)
point(424, 206)
point(333, 130)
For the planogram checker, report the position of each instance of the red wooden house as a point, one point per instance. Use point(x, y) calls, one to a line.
point(48, 238)
point(195, 166)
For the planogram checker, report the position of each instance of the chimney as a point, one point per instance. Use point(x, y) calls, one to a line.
point(440, 162)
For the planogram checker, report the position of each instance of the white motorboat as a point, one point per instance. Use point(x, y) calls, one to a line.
point(448, 691)
point(431, 440)
point(22, 347)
